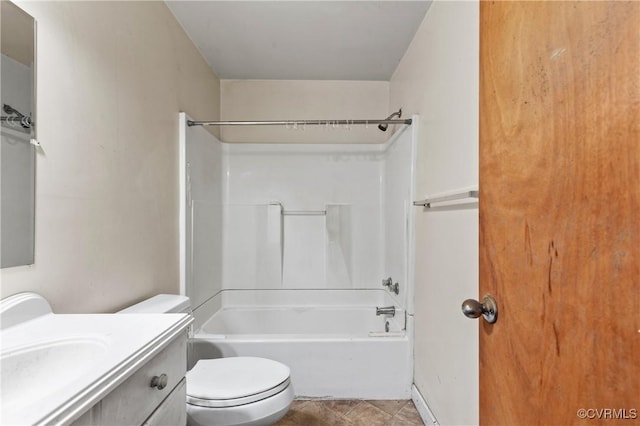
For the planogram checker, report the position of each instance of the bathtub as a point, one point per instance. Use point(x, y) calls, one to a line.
point(332, 340)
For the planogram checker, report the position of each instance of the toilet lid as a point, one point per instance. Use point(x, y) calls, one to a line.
point(227, 382)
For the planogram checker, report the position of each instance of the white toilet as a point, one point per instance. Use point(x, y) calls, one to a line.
point(231, 391)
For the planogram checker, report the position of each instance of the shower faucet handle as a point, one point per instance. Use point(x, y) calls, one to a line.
point(395, 288)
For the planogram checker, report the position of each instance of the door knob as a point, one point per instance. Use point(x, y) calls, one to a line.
point(488, 309)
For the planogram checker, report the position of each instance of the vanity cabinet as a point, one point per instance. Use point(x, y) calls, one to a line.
point(136, 402)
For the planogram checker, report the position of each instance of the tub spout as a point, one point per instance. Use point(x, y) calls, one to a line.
point(387, 310)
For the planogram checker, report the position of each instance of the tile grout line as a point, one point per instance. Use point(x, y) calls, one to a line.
point(380, 410)
point(401, 408)
point(360, 401)
point(405, 402)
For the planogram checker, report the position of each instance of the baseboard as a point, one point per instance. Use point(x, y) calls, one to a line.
point(423, 409)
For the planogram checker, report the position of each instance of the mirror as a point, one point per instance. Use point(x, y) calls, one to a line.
point(17, 152)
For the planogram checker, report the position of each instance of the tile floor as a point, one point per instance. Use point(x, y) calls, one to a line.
point(351, 413)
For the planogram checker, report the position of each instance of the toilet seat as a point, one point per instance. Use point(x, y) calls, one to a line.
point(230, 382)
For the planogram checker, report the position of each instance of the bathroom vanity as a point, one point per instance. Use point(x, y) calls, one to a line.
point(154, 395)
point(91, 369)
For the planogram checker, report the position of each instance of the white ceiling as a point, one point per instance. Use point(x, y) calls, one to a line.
point(301, 40)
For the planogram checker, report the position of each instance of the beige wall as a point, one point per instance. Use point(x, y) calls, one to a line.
point(303, 100)
point(438, 79)
point(112, 77)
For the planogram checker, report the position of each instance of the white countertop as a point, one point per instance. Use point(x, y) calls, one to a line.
point(95, 353)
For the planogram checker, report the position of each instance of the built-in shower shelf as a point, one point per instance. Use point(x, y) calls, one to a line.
point(304, 213)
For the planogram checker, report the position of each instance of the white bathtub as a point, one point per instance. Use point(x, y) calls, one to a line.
point(332, 340)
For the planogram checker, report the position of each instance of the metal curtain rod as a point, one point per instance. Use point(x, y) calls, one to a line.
point(327, 123)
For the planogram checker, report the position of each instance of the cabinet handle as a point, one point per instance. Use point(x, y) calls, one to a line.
point(159, 382)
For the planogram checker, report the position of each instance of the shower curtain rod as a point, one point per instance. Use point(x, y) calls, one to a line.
point(297, 122)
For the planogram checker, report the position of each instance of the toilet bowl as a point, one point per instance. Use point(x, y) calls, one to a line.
point(234, 391)
point(238, 391)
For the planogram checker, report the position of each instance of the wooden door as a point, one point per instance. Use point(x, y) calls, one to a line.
point(560, 212)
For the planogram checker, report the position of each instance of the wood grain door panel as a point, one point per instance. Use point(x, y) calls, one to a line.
point(560, 211)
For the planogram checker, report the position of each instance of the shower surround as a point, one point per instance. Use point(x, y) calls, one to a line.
point(284, 248)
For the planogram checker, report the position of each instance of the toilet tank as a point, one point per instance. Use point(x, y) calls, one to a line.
point(160, 304)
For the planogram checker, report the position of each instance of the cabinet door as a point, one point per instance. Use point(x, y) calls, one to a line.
point(134, 400)
point(172, 411)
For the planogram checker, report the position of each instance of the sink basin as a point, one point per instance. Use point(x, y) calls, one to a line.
point(55, 367)
point(30, 374)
